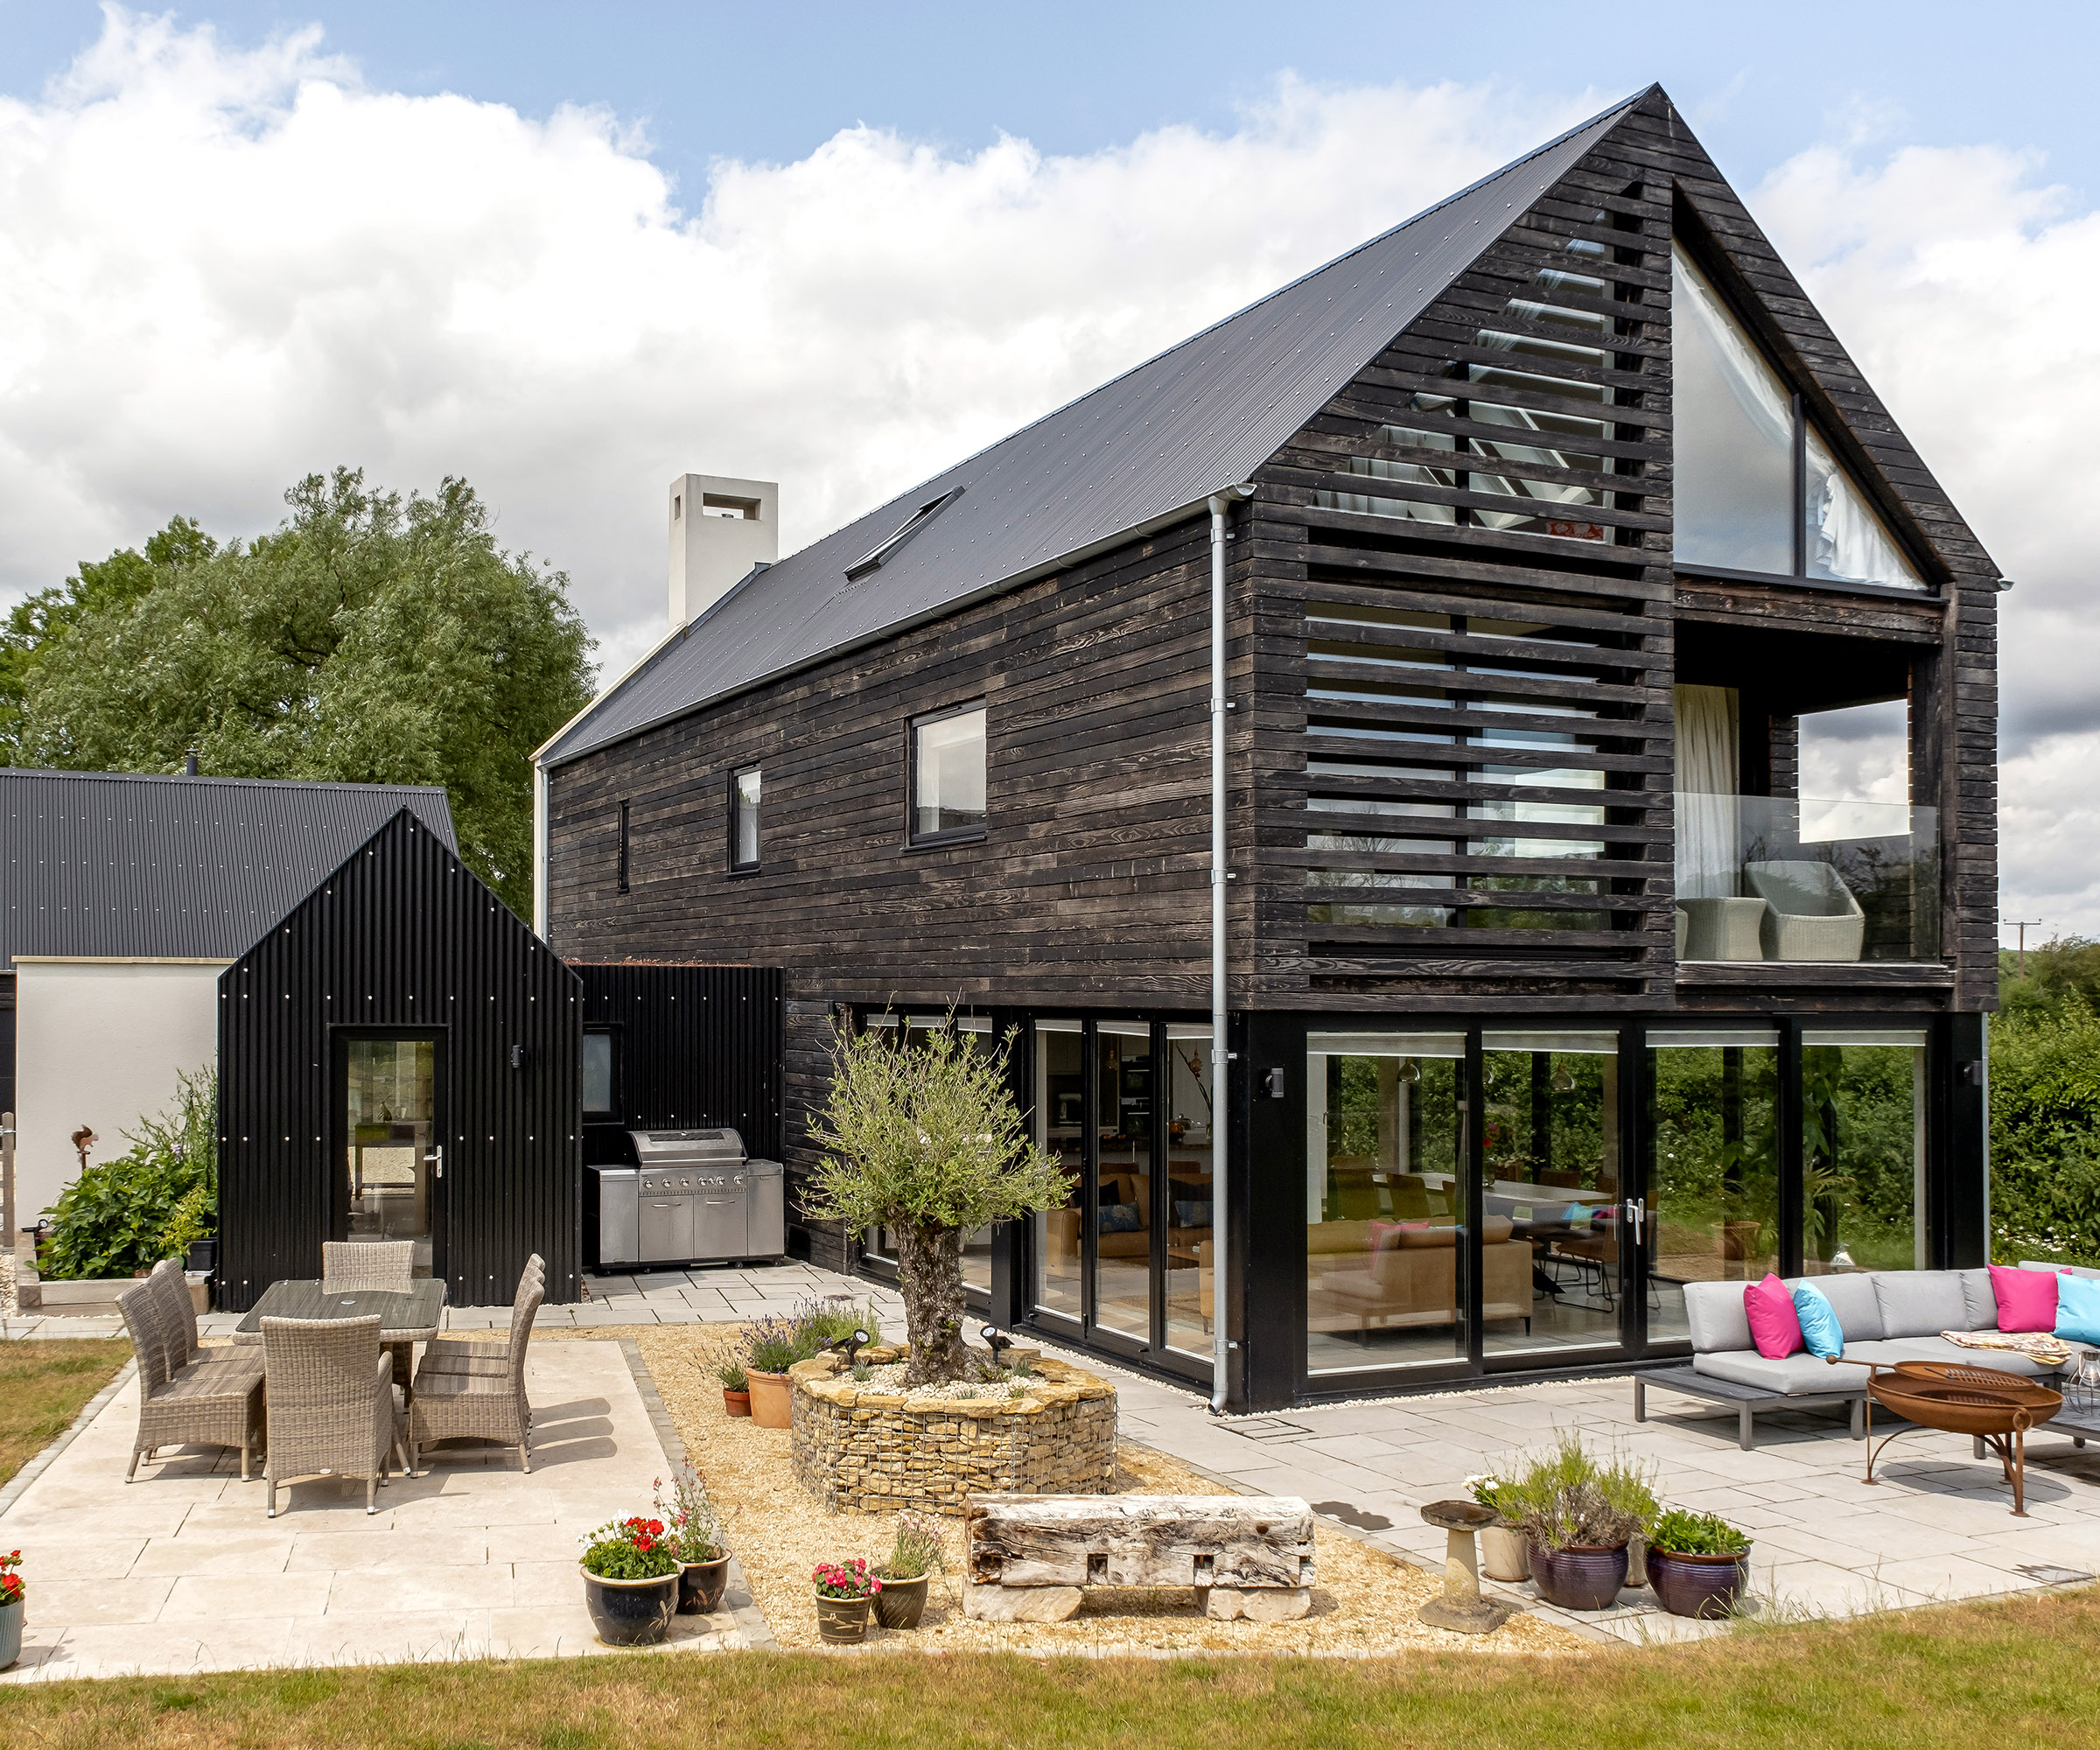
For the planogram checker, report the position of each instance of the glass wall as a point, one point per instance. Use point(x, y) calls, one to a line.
point(1384, 1204)
point(1123, 1245)
point(1713, 1170)
point(1550, 1190)
point(1863, 1100)
point(1061, 1104)
point(389, 1095)
point(1191, 1112)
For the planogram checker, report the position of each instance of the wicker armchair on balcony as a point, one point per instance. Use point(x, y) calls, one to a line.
point(488, 1356)
point(183, 1403)
point(330, 1403)
point(1810, 913)
point(476, 1405)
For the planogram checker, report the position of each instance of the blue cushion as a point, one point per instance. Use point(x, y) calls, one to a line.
point(1819, 1327)
point(2078, 1309)
point(1120, 1218)
point(1193, 1214)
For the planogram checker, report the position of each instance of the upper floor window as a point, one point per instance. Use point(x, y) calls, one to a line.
point(1757, 489)
point(947, 775)
point(744, 818)
point(621, 872)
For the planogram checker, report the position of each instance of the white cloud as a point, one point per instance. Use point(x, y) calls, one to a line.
point(221, 267)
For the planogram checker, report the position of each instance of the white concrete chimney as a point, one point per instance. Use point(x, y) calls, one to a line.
point(720, 529)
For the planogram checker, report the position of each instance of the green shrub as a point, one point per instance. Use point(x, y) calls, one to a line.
point(124, 1215)
point(1564, 1497)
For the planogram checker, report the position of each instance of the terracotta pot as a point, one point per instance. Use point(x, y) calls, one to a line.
point(701, 1585)
point(772, 1399)
point(901, 1603)
point(11, 1631)
point(631, 1613)
point(1504, 1555)
point(844, 1622)
point(737, 1403)
point(1580, 1577)
point(1705, 1587)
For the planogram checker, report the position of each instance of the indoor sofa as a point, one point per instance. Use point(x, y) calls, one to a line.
point(1410, 1278)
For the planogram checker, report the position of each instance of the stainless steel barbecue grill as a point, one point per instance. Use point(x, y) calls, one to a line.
point(696, 1198)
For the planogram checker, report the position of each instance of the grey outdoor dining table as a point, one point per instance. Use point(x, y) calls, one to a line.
point(406, 1316)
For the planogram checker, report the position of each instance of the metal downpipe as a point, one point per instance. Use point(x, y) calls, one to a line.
point(1221, 1129)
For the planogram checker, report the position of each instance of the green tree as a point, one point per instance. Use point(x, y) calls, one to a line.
point(369, 639)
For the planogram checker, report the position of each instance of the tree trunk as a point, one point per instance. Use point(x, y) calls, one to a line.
point(929, 1276)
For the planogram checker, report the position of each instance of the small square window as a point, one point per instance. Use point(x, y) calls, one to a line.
point(744, 818)
point(947, 775)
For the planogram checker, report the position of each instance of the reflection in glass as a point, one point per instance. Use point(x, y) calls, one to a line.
point(1383, 1204)
point(1847, 542)
point(1122, 1247)
point(1549, 1188)
point(1060, 1098)
point(1733, 436)
point(597, 1073)
point(1190, 1114)
point(746, 856)
point(1713, 1175)
point(948, 762)
point(1862, 1149)
point(390, 1120)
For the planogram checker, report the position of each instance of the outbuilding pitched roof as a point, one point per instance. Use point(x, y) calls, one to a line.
point(1135, 454)
point(124, 864)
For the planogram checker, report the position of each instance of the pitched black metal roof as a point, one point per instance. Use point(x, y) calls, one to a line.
point(123, 864)
point(1140, 451)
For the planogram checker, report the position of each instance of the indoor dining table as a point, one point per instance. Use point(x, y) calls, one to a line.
point(406, 1316)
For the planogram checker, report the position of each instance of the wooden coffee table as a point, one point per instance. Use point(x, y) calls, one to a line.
point(1994, 1409)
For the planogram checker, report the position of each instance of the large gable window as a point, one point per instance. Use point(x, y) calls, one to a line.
point(1757, 488)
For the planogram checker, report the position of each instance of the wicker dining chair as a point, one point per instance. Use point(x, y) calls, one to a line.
point(188, 1403)
point(330, 1403)
point(181, 1314)
point(485, 1406)
point(486, 1354)
point(367, 1264)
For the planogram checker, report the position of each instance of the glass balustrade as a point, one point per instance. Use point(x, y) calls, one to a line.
point(1796, 879)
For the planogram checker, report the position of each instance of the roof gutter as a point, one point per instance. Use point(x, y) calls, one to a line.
point(1221, 1122)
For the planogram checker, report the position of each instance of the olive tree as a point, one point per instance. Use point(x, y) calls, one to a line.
point(924, 1138)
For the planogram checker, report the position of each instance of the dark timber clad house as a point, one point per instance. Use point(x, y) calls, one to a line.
point(1549, 991)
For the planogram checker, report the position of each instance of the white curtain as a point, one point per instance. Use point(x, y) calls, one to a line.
point(1846, 540)
point(1709, 858)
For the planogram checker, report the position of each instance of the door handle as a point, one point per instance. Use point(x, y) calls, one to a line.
point(1636, 1213)
point(435, 1161)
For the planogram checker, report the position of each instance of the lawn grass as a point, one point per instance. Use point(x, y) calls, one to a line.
point(1996, 1672)
point(42, 1388)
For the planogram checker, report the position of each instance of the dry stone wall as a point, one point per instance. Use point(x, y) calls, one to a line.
point(874, 1450)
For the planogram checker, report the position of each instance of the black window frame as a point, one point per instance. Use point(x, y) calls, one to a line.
point(625, 856)
point(914, 838)
point(592, 1115)
point(736, 865)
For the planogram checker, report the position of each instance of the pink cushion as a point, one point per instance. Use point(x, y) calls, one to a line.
point(2026, 1298)
point(1775, 1326)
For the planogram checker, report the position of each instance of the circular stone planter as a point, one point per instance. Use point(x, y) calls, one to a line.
point(842, 1621)
point(861, 1448)
point(1504, 1554)
point(770, 1394)
point(630, 1612)
point(1702, 1586)
point(701, 1585)
point(901, 1603)
point(1580, 1578)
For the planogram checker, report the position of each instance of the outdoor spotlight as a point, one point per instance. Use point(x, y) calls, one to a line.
point(996, 1341)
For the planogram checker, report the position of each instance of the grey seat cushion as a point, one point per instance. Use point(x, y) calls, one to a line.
point(1797, 1375)
point(1852, 1297)
point(1714, 1312)
point(1939, 1349)
point(1922, 1303)
point(1980, 1300)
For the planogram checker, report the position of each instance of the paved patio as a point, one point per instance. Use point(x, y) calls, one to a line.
point(496, 1571)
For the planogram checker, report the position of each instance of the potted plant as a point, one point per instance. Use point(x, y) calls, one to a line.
point(1578, 1518)
point(11, 1609)
point(630, 1581)
point(736, 1387)
point(844, 1590)
point(695, 1539)
point(771, 1346)
point(1697, 1563)
point(1504, 1555)
point(918, 1553)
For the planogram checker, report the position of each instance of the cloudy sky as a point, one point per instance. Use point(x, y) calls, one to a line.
point(569, 253)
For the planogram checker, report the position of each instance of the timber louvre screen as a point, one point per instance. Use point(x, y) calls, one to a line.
point(1476, 664)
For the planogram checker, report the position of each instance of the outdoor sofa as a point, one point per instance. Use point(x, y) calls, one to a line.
point(1886, 1315)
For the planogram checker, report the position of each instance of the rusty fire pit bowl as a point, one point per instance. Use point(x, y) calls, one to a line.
point(1987, 1405)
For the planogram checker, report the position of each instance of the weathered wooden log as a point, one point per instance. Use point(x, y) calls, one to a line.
point(1138, 1540)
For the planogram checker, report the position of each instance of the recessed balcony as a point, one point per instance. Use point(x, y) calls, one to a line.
point(1807, 882)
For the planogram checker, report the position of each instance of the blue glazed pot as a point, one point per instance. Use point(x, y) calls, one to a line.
point(631, 1613)
point(1580, 1578)
point(11, 1631)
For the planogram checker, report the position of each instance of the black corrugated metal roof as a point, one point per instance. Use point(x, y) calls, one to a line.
point(124, 864)
point(1198, 419)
